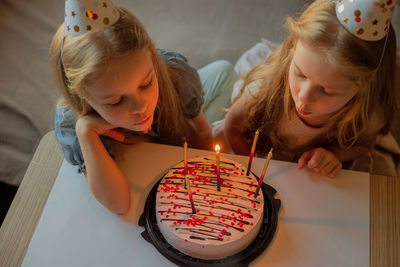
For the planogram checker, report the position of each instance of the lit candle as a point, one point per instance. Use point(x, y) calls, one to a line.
point(190, 193)
point(253, 148)
point(269, 156)
point(217, 149)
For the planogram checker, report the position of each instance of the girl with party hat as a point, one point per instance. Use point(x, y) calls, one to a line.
point(115, 84)
point(325, 94)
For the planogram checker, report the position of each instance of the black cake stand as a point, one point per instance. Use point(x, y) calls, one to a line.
point(268, 228)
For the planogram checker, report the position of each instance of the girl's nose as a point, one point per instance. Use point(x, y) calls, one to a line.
point(136, 104)
point(307, 93)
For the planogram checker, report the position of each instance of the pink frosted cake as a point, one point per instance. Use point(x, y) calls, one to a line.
point(226, 221)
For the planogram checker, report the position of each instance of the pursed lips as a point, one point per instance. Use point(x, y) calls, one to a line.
point(302, 112)
point(143, 121)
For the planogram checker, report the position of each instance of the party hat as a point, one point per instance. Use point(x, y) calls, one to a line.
point(367, 19)
point(82, 16)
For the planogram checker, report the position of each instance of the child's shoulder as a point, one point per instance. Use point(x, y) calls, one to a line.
point(249, 90)
point(186, 81)
point(65, 115)
point(181, 66)
point(172, 57)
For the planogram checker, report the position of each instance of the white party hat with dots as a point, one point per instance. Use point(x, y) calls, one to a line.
point(367, 19)
point(82, 16)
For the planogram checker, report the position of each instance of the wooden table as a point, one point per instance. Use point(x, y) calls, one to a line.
point(25, 211)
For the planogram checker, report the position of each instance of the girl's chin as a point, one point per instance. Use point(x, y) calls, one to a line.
point(146, 130)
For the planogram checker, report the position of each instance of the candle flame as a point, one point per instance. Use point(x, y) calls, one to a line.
point(217, 148)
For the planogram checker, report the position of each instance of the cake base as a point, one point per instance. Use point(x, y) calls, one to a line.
point(268, 228)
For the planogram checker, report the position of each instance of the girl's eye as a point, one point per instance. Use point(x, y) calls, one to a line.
point(116, 103)
point(299, 74)
point(147, 85)
point(325, 92)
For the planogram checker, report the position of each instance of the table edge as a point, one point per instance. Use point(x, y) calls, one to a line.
point(18, 226)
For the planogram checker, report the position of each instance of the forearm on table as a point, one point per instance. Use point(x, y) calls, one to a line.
point(106, 180)
point(201, 138)
point(235, 122)
point(200, 132)
point(203, 141)
point(236, 140)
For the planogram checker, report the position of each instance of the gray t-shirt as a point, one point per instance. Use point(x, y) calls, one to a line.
point(191, 95)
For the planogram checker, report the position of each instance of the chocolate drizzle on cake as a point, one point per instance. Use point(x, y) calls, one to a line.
point(218, 214)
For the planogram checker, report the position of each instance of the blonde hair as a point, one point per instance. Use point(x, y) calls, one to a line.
point(87, 56)
point(370, 64)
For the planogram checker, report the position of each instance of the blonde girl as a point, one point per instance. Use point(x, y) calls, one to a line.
point(321, 98)
point(115, 84)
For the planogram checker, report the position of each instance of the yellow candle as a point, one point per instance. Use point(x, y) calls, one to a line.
point(264, 170)
point(217, 149)
point(253, 148)
point(187, 181)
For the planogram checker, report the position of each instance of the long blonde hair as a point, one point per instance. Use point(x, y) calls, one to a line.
point(87, 56)
point(319, 28)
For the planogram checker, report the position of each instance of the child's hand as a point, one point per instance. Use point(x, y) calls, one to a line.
point(94, 123)
point(321, 161)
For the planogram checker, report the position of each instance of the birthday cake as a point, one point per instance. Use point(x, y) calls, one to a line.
point(225, 222)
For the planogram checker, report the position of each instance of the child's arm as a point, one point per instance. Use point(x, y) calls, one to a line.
point(200, 132)
point(329, 161)
point(321, 161)
point(106, 181)
point(234, 125)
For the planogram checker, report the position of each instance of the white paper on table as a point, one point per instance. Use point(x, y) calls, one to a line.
point(322, 221)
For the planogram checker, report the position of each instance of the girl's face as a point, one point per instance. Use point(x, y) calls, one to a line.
point(319, 88)
point(127, 94)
